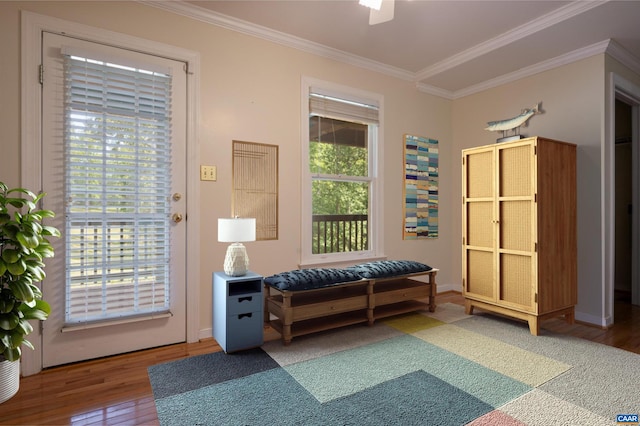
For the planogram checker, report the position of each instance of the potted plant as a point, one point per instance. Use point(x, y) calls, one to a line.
point(23, 248)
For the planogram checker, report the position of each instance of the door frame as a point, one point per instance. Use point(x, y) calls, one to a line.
point(621, 88)
point(33, 25)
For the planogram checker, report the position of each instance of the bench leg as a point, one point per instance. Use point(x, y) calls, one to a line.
point(286, 334)
point(287, 319)
point(432, 292)
point(371, 304)
point(265, 307)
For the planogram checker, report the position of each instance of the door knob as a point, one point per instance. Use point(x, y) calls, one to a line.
point(177, 217)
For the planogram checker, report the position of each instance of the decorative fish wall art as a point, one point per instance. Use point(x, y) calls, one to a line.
point(514, 123)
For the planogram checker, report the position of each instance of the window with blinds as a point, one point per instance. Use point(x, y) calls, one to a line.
point(342, 133)
point(117, 183)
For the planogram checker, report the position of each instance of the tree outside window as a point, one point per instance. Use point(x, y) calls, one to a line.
point(339, 166)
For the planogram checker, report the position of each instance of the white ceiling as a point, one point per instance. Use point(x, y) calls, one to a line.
point(450, 48)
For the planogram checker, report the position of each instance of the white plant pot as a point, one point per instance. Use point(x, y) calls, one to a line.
point(9, 379)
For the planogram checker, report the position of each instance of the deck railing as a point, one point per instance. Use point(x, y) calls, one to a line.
point(336, 233)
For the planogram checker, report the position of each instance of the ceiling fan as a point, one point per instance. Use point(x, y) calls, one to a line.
point(381, 10)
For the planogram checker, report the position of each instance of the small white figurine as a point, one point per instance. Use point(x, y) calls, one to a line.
point(513, 123)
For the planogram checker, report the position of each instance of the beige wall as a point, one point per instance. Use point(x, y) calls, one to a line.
point(250, 91)
point(9, 96)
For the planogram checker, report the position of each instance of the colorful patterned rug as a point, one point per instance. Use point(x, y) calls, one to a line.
point(441, 368)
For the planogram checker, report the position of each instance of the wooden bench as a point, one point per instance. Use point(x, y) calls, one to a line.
point(303, 312)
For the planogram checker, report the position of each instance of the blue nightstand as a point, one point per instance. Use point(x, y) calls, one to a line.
point(237, 311)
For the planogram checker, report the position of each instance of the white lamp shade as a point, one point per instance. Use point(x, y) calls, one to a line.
point(236, 230)
point(373, 4)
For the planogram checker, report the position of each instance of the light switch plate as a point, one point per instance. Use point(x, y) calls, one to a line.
point(208, 173)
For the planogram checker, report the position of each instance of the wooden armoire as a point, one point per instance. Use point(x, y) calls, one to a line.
point(519, 229)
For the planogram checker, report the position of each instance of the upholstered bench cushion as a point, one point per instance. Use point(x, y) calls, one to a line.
point(388, 268)
point(308, 279)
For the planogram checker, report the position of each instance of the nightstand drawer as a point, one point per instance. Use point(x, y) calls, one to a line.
point(244, 303)
point(244, 331)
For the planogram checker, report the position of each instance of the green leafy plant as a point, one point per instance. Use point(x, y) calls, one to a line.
point(23, 247)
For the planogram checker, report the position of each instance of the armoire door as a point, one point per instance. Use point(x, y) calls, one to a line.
point(516, 226)
point(478, 226)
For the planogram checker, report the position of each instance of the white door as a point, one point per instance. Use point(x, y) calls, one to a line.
point(114, 161)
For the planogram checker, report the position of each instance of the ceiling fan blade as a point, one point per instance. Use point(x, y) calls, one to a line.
point(384, 14)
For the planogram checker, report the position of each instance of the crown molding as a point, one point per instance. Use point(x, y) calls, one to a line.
point(558, 61)
point(244, 27)
point(623, 56)
point(532, 27)
point(566, 12)
point(436, 91)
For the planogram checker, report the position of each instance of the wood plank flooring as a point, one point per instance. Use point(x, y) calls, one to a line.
point(116, 390)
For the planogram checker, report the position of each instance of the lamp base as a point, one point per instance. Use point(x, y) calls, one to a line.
point(236, 261)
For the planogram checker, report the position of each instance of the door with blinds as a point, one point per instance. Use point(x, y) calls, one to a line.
point(114, 172)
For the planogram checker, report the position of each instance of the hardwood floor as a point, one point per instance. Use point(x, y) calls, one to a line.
point(116, 390)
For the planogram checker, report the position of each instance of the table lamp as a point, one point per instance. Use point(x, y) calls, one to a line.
point(236, 231)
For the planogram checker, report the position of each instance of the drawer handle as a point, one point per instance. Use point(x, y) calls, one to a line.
point(245, 315)
point(245, 299)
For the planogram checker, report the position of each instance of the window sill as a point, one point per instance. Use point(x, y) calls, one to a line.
point(335, 262)
point(115, 321)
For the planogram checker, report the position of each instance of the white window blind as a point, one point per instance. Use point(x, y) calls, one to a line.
point(117, 183)
point(326, 105)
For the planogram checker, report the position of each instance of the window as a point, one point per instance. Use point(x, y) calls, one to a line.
point(340, 164)
point(117, 183)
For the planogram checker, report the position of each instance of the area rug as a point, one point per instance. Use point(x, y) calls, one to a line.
point(441, 368)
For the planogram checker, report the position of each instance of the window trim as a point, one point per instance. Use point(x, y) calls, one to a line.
point(376, 167)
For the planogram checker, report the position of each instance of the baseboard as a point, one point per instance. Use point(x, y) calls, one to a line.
point(592, 319)
point(206, 333)
point(442, 288)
